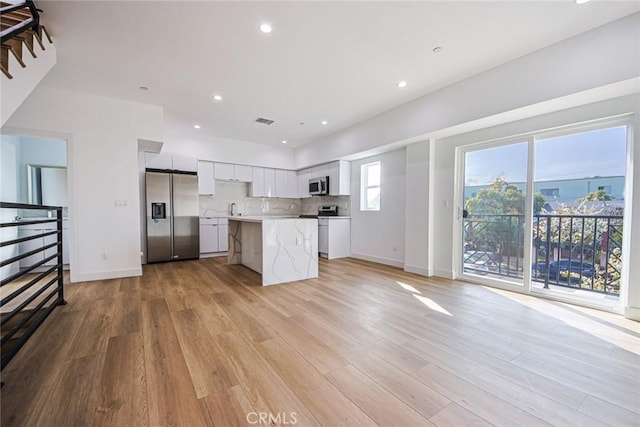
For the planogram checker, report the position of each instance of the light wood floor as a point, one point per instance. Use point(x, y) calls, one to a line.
point(201, 343)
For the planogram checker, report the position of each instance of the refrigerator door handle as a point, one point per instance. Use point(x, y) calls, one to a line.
point(171, 219)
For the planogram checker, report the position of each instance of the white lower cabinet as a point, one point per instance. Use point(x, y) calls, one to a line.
point(208, 235)
point(213, 236)
point(334, 237)
point(33, 244)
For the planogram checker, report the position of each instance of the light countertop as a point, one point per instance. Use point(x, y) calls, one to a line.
point(248, 218)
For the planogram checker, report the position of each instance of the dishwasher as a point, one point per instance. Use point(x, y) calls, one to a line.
point(323, 237)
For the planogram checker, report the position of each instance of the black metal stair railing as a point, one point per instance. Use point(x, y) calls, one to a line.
point(20, 25)
point(39, 289)
point(571, 251)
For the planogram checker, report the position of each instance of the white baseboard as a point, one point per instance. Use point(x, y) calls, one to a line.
point(443, 273)
point(379, 260)
point(417, 270)
point(109, 274)
point(213, 255)
point(632, 313)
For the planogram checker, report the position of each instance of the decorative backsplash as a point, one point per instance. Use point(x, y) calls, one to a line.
point(236, 192)
point(310, 205)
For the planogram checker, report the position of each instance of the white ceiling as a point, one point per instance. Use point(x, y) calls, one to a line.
point(334, 61)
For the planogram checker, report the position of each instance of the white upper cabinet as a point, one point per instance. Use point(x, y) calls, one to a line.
point(169, 162)
point(281, 183)
point(243, 173)
point(257, 185)
point(303, 175)
point(286, 184)
point(269, 182)
point(158, 161)
point(320, 171)
point(292, 184)
point(182, 163)
point(339, 174)
point(224, 171)
point(206, 180)
point(231, 172)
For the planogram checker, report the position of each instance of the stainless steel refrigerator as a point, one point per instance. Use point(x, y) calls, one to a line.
point(172, 216)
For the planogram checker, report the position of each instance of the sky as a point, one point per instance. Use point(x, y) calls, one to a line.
point(596, 153)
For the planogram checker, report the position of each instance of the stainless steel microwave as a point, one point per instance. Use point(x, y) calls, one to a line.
point(319, 186)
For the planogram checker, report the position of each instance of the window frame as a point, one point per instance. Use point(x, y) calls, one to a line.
point(365, 186)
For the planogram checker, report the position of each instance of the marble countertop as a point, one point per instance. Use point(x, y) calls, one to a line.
point(250, 218)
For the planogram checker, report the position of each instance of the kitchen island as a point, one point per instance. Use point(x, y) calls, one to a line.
point(281, 249)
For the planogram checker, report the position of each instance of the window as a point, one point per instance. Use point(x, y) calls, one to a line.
point(370, 187)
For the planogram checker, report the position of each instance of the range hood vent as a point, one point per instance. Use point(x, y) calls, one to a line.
point(264, 121)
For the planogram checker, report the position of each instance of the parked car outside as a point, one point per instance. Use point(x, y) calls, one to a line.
point(562, 269)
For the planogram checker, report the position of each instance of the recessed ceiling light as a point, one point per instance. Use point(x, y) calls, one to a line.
point(217, 98)
point(437, 49)
point(144, 88)
point(266, 28)
point(581, 1)
point(324, 122)
point(196, 126)
point(284, 141)
point(401, 84)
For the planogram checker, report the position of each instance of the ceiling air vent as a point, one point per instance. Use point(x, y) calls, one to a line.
point(264, 121)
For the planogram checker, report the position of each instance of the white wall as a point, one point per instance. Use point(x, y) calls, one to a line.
point(379, 236)
point(605, 55)
point(419, 192)
point(229, 151)
point(445, 223)
point(25, 80)
point(102, 135)
point(9, 152)
point(9, 157)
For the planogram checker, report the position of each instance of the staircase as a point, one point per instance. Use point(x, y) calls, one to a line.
point(27, 53)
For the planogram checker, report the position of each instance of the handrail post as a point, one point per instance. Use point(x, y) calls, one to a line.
point(34, 13)
point(60, 261)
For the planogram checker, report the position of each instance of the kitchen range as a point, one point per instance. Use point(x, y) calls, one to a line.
point(334, 233)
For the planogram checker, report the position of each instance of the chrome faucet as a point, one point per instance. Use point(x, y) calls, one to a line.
point(233, 205)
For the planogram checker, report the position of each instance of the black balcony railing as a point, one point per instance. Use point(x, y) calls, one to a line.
point(576, 251)
point(29, 292)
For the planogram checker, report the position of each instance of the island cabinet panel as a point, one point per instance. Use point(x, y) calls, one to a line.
point(280, 249)
point(223, 235)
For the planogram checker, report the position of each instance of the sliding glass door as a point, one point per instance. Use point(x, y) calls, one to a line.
point(577, 236)
point(494, 200)
point(545, 214)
